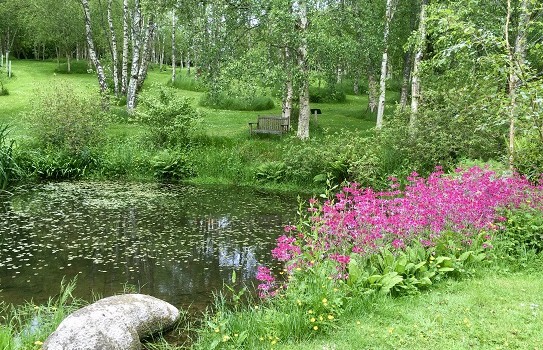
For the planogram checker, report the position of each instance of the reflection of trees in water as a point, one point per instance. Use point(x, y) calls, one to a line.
point(168, 249)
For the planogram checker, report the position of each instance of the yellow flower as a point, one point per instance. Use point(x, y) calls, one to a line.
point(261, 338)
point(324, 301)
point(312, 319)
point(390, 330)
point(321, 318)
point(335, 289)
point(298, 269)
point(310, 311)
point(225, 338)
point(217, 330)
point(299, 302)
point(274, 342)
point(256, 307)
point(358, 323)
point(235, 334)
point(330, 317)
point(315, 327)
point(37, 342)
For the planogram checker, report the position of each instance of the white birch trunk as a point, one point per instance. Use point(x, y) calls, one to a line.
point(384, 64)
point(92, 52)
point(68, 61)
point(136, 49)
point(114, 53)
point(188, 62)
point(173, 47)
point(288, 94)
point(516, 57)
point(372, 91)
point(146, 52)
point(415, 79)
point(126, 40)
point(305, 113)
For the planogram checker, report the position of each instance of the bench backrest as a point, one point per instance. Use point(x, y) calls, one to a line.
point(272, 122)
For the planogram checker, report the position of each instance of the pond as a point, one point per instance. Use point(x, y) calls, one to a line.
point(177, 243)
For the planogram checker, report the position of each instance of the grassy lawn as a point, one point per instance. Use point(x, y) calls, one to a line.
point(492, 312)
point(30, 77)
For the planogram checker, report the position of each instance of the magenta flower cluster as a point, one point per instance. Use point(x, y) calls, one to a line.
point(361, 220)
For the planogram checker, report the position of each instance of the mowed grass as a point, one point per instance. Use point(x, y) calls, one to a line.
point(492, 312)
point(31, 77)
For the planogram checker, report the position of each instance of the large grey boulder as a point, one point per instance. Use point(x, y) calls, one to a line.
point(113, 323)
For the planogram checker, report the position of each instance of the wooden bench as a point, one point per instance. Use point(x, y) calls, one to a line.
point(270, 125)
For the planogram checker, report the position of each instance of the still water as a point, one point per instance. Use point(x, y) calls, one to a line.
point(178, 243)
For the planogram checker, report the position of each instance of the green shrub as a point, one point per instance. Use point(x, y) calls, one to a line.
point(522, 233)
point(271, 172)
point(65, 120)
point(529, 156)
point(171, 118)
point(347, 86)
point(326, 95)
point(228, 102)
point(55, 164)
point(8, 165)
point(124, 158)
point(342, 156)
point(187, 82)
point(76, 67)
point(3, 90)
point(172, 165)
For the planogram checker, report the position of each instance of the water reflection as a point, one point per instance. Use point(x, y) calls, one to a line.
point(176, 243)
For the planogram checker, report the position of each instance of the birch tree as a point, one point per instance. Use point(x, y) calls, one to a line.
point(390, 8)
point(303, 69)
point(516, 56)
point(288, 91)
point(415, 82)
point(126, 42)
point(137, 22)
point(92, 51)
point(114, 52)
point(173, 46)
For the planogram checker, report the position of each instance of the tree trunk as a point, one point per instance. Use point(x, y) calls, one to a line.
point(188, 62)
point(516, 57)
point(126, 39)
point(356, 84)
point(173, 47)
point(146, 52)
point(114, 53)
point(303, 66)
point(136, 48)
point(406, 78)
point(68, 62)
point(288, 93)
point(415, 80)
point(92, 52)
point(372, 91)
point(162, 52)
point(384, 64)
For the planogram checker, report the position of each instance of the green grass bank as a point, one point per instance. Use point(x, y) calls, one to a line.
point(220, 150)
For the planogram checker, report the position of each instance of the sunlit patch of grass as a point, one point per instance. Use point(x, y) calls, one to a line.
point(493, 312)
